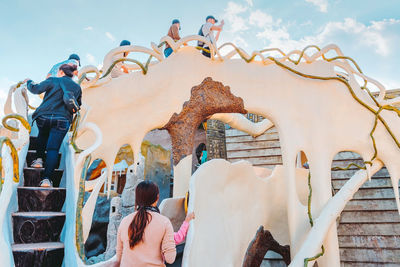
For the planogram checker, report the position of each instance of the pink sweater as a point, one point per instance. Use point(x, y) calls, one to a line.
point(157, 244)
point(181, 234)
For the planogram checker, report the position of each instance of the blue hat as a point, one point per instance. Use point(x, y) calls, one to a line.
point(76, 57)
point(175, 21)
point(211, 17)
point(124, 42)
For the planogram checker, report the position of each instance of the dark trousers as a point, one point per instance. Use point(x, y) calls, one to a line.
point(52, 130)
point(205, 53)
point(168, 51)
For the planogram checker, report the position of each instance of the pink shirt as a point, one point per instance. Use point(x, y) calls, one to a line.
point(181, 234)
point(157, 245)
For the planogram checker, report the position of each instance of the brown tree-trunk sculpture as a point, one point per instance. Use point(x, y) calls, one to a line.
point(259, 246)
point(206, 99)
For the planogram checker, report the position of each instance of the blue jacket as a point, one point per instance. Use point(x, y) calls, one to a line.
point(53, 103)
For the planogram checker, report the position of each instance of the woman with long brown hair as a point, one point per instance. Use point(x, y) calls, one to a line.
point(145, 237)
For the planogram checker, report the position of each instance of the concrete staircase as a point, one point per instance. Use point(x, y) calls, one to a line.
point(369, 227)
point(39, 221)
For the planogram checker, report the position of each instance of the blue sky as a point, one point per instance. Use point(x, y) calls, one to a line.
point(37, 34)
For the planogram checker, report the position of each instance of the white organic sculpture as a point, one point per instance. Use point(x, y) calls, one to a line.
point(17, 97)
point(231, 201)
point(6, 196)
point(239, 122)
point(315, 110)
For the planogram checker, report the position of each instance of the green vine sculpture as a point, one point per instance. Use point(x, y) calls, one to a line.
point(79, 206)
point(14, 155)
point(18, 117)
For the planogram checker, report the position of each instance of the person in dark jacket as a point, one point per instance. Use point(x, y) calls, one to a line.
point(53, 118)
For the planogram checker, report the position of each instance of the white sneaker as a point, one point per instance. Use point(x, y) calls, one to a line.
point(37, 163)
point(46, 183)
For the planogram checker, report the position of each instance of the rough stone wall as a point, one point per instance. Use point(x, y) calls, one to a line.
point(216, 145)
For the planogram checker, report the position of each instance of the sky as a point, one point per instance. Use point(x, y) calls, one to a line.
point(37, 34)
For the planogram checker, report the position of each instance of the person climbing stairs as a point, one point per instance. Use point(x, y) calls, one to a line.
point(38, 223)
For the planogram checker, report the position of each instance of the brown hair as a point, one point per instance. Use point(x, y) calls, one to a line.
point(68, 69)
point(146, 193)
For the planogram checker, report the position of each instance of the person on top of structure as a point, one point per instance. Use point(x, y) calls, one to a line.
point(73, 60)
point(173, 32)
point(206, 30)
point(120, 67)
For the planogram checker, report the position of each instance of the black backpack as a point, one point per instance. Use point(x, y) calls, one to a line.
point(70, 101)
point(199, 43)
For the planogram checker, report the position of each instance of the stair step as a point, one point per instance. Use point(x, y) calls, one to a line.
point(31, 156)
point(50, 254)
point(32, 176)
point(32, 142)
point(37, 246)
point(36, 227)
point(40, 199)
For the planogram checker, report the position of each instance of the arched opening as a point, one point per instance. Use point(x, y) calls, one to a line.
point(261, 151)
point(303, 178)
point(157, 151)
point(123, 160)
point(96, 243)
point(201, 154)
point(97, 240)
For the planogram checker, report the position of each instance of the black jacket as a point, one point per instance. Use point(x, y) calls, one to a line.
point(53, 103)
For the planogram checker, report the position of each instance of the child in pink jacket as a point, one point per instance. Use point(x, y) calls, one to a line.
point(181, 234)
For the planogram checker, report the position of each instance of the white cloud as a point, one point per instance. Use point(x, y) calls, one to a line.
point(373, 41)
point(274, 35)
point(382, 24)
point(239, 41)
point(260, 18)
point(249, 2)
point(349, 31)
point(388, 82)
point(110, 36)
point(307, 23)
point(372, 35)
point(91, 59)
point(88, 28)
point(235, 22)
point(321, 4)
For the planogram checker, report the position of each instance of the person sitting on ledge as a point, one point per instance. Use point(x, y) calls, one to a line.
point(53, 117)
point(145, 237)
point(120, 67)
